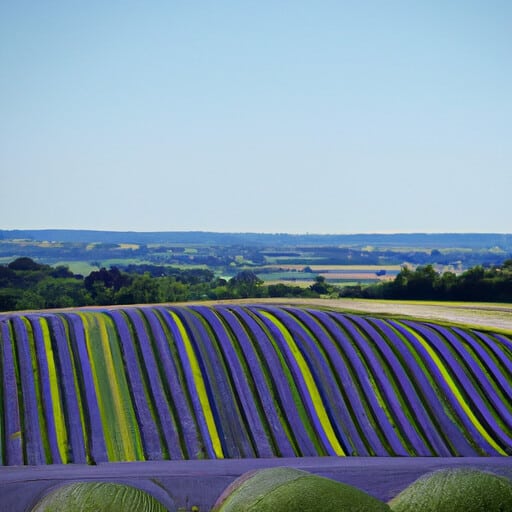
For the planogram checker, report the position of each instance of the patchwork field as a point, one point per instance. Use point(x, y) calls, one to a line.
point(336, 274)
point(196, 390)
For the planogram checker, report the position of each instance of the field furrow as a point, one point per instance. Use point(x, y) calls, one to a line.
point(235, 381)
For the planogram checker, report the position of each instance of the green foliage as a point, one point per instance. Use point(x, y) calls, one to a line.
point(9, 298)
point(284, 290)
point(171, 290)
point(320, 286)
point(245, 284)
point(26, 284)
point(26, 264)
point(141, 290)
point(29, 300)
point(492, 284)
point(98, 497)
point(219, 292)
point(61, 292)
point(285, 489)
point(112, 279)
point(456, 490)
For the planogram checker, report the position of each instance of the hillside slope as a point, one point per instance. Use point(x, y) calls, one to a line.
point(247, 381)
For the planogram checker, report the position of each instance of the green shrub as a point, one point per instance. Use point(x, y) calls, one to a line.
point(98, 497)
point(456, 490)
point(287, 489)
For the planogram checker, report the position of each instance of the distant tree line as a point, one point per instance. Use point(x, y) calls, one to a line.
point(493, 284)
point(26, 284)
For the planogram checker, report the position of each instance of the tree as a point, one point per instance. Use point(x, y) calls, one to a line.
point(278, 290)
point(26, 264)
point(448, 285)
point(422, 283)
point(100, 294)
point(30, 300)
point(62, 271)
point(142, 290)
point(171, 290)
point(62, 293)
point(220, 292)
point(9, 298)
point(112, 279)
point(320, 286)
point(245, 284)
point(470, 284)
point(398, 287)
point(8, 276)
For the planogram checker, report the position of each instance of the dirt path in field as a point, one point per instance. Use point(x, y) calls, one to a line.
point(476, 314)
point(497, 316)
point(488, 315)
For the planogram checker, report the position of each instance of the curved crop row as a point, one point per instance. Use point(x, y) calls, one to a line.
point(231, 381)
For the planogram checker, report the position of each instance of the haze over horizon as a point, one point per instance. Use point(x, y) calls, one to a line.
point(268, 117)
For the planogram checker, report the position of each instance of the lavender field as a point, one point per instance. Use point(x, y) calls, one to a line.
point(196, 382)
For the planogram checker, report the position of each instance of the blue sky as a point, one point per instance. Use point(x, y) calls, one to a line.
point(245, 116)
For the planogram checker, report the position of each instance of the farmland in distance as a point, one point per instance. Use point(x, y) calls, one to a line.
point(297, 259)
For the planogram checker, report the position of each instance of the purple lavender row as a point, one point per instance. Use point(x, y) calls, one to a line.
point(355, 353)
point(98, 450)
point(395, 384)
point(323, 445)
point(373, 371)
point(174, 384)
point(13, 449)
point(264, 368)
point(148, 430)
point(504, 359)
point(503, 346)
point(263, 394)
point(487, 389)
point(46, 398)
point(233, 434)
point(167, 418)
point(419, 413)
point(207, 375)
point(69, 390)
point(472, 396)
point(335, 344)
point(406, 346)
point(295, 428)
point(506, 342)
point(486, 358)
point(461, 428)
point(204, 440)
point(295, 379)
point(337, 406)
point(256, 436)
point(33, 441)
point(322, 375)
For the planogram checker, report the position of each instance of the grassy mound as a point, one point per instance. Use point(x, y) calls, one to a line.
point(287, 489)
point(98, 497)
point(456, 490)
